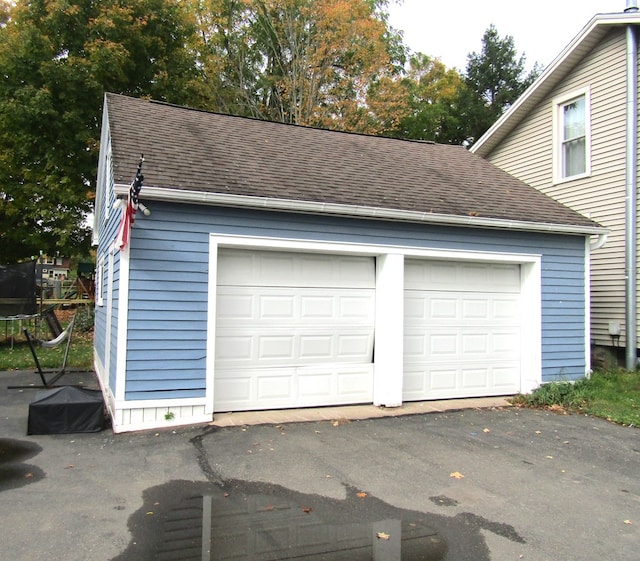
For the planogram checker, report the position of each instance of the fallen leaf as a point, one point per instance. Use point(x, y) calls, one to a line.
point(361, 495)
point(549, 457)
point(28, 475)
point(335, 423)
point(456, 475)
point(306, 509)
point(538, 432)
point(70, 466)
point(486, 430)
point(226, 495)
point(628, 522)
point(382, 535)
point(268, 507)
point(150, 513)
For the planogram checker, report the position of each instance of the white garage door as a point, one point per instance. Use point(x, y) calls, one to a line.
point(462, 329)
point(293, 330)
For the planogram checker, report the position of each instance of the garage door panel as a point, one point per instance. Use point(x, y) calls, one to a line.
point(475, 378)
point(465, 277)
point(317, 346)
point(246, 307)
point(284, 347)
point(279, 347)
point(459, 345)
point(444, 381)
point(235, 306)
point(504, 376)
point(274, 306)
point(273, 386)
point(462, 329)
point(294, 329)
point(426, 307)
point(235, 389)
point(234, 348)
point(328, 384)
point(439, 308)
point(241, 267)
point(415, 348)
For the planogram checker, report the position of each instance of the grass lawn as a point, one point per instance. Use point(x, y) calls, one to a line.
point(16, 355)
point(613, 395)
point(19, 357)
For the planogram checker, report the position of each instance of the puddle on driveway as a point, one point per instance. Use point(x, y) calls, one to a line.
point(14, 473)
point(239, 520)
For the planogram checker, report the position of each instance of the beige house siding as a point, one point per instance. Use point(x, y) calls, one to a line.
point(527, 153)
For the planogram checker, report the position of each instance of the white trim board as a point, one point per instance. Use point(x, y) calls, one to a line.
point(388, 388)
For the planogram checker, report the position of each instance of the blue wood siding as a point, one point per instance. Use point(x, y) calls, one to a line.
point(167, 322)
point(115, 309)
point(108, 220)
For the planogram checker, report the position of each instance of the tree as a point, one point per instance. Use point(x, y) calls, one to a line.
point(434, 94)
point(495, 78)
point(308, 62)
point(56, 60)
point(4, 12)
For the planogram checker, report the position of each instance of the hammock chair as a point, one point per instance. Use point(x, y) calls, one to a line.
point(65, 335)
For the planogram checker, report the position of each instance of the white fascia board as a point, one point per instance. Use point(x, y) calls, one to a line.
point(312, 207)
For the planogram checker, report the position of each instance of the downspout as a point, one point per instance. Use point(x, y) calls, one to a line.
point(631, 188)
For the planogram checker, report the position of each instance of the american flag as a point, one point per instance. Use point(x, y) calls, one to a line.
point(129, 213)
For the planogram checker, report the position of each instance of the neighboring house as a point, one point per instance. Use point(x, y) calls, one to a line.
point(573, 136)
point(53, 268)
point(283, 266)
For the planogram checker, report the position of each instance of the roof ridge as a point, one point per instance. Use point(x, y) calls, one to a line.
point(278, 123)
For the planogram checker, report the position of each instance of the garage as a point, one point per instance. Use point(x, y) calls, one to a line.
point(462, 329)
point(293, 329)
point(297, 267)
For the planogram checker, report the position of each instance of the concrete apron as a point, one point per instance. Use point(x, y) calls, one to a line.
point(353, 412)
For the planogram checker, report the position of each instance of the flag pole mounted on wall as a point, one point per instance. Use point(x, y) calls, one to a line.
point(133, 203)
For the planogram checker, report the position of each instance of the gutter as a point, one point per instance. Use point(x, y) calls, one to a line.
point(336, 209)
point(631, 194)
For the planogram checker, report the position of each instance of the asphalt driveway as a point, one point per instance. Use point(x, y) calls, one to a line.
point(494, 484)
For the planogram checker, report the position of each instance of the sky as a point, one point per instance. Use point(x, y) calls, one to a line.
point(451, 29)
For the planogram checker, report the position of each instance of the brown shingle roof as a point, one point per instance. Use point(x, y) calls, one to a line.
point(187, 149)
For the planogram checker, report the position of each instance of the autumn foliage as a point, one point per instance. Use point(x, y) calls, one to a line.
point(333, 64)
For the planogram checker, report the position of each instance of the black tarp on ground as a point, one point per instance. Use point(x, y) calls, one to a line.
point(66, 410)
point(18, 289)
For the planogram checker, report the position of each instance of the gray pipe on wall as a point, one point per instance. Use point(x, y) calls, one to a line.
point(631, 193)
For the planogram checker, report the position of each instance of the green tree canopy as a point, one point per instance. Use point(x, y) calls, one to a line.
point(433, 93)
point(495, 78)
point(56, 60)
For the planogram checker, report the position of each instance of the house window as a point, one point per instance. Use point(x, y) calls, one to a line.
point(572, 136)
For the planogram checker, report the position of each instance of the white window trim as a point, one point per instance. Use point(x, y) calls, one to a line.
point(100, 283)
point(558, 104)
